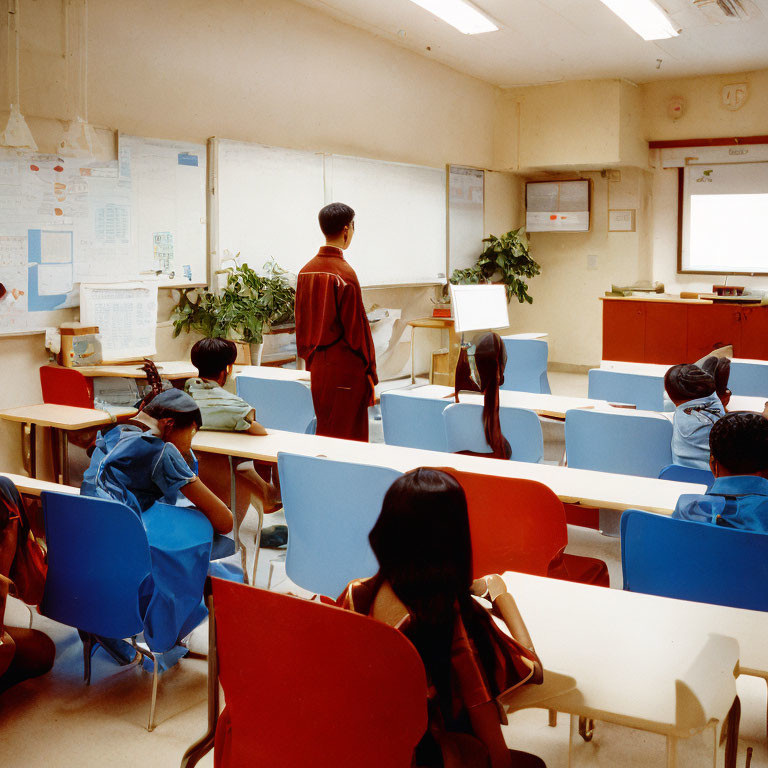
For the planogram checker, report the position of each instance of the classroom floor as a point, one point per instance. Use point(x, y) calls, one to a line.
point(58, 722)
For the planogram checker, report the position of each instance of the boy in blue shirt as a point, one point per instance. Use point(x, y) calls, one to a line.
point(739, 496)
point(697, 408)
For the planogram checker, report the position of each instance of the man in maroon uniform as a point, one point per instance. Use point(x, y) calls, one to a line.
point(332, 332)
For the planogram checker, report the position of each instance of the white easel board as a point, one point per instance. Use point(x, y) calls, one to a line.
point(168, 194)
point(479, 307)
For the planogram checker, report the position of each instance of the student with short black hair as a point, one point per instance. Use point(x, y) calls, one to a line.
point(225, 411)
point(697, 408)
point(720, 370)
point(332, 332)
point(739, 461)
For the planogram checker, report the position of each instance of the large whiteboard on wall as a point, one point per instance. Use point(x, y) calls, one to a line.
point(62, 221)
point(400, 219)
point(168, 187)
point(266, 201)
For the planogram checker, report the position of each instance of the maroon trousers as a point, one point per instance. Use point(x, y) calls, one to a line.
point(341, 393)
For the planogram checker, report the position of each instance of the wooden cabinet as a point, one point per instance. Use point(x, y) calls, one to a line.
point(658, 331)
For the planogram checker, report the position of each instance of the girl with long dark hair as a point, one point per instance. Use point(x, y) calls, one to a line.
point(424, 588)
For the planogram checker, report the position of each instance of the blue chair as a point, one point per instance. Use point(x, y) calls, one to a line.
point(624, 443)
point(522, 428)
point(644, 392)
point(749, 379)
point(526, 369)
point(98, 559)
point(413, 422)
point(683, 474)
point(285, 405)
point(330, 507)
point(696, 561)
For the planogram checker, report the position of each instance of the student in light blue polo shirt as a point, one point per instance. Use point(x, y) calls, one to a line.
point(697, 408)
point(739, 460)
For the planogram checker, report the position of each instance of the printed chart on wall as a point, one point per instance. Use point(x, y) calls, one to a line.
point(61, 221)
point(168, 182)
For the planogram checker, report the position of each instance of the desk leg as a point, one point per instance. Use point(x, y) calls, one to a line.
point(235, 525)
point(29, 448)
point(64, 455)
point(572, 733)
point(413, 356)
point(671, 751)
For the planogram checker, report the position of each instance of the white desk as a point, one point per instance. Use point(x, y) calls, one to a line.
point(645, 662)
point(31, 486)
point(268, 372)
point(552, 406)
point(596, 489)
point(658, 369)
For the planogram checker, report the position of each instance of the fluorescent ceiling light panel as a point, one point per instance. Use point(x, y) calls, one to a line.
point(646, 17)
point(460, 14)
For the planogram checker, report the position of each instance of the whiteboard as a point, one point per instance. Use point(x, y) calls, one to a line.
point(400, 219)
point(466, 224)
point(62, 220)
point(168, 188)
point(266, 201)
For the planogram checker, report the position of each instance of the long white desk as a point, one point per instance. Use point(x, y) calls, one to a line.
point(553, 406)
point(597, 489)
point(646, 662)
point(658, 369)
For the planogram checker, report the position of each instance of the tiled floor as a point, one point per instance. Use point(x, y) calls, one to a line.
point(57, 722)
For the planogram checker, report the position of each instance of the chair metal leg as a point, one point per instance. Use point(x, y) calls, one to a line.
point(552, 718)
point(205, 743)
point(88, 643)
point(257, 541)
point(239, 546)
point(153, 701)
point(272, 563)
point(572, 730)
point(586, 728)
point(31, 615)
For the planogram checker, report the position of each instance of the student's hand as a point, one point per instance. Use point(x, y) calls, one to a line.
point(256, 429)
point(210, 505)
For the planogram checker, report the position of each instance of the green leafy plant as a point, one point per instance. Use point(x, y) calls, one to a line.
point(506, 260)
point(249, 303)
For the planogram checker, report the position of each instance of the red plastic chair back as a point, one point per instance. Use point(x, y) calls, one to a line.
point(516, 525)
point(65, 386)
point(308, 684)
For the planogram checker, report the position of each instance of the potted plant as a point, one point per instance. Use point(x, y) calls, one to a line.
point(506, 260)
point(247, 306)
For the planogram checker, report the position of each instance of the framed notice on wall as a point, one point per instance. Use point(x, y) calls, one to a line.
point(557, 206)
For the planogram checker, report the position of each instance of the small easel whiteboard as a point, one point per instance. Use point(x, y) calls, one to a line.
point(479, 307)
point(126, 314)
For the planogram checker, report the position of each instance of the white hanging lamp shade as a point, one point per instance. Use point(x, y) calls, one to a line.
point(17, 133)
point(79, 139)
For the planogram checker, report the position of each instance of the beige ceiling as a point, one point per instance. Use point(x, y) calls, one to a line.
point(553, 40)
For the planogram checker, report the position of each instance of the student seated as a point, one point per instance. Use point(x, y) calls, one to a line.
point(720, 370)
point(697, 408)
point(739, 496)
point(150, 459)
point(424, 588)
point(222, 410)
point(490, 361)
point(24, 653)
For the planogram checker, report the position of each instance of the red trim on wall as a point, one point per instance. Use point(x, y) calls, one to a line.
point(724, 142)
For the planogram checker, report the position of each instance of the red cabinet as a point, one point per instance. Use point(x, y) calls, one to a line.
point(658, 331)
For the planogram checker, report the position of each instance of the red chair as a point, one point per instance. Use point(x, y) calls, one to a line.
point(519, 525)
point(65, 386)
point(308, 684)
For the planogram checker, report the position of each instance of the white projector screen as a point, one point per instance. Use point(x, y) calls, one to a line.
point(725, 210)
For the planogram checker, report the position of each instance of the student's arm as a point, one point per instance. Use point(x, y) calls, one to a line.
point(209, 504)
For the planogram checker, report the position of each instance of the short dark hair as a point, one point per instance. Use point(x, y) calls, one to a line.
point(176, 405)
point(334, 217)
point(212, 356)
point(720, 370)
point(688, 382)
point(739, 441)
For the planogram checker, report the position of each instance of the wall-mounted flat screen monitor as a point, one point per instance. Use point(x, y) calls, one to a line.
point(557, 206)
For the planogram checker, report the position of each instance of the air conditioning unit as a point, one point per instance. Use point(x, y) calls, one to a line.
point(721, 11)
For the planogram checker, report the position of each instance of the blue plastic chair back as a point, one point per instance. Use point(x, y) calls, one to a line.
point(749, 379)
point(285, 405)
point(413, 422)
point(683, 474)
point(330, 507)
point(697, 561)
point(624, 443)
point(98, 558)
point(645, 392)
point(526, 369)
point(522, 428)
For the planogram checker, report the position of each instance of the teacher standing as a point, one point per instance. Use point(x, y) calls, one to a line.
point(333, 334)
